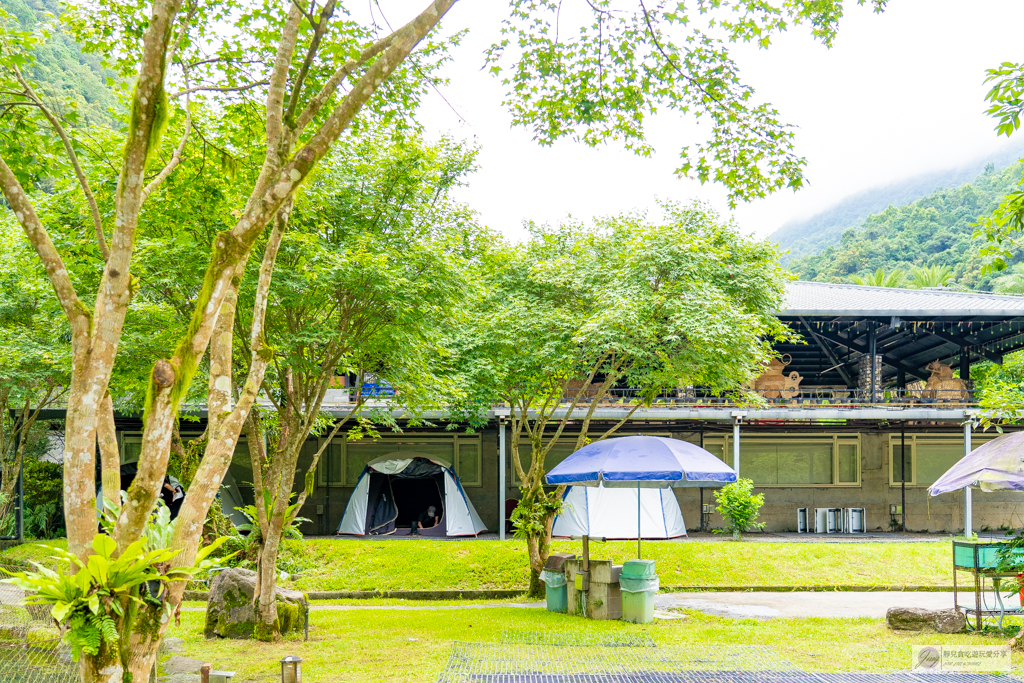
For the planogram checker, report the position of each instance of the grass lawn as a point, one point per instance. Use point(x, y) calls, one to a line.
point(346, 565)
point(341, 565)
point(376, 644)
point(33, 550)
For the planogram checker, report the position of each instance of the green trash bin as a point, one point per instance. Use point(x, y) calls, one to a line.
point(556, 590)
point(639, 584)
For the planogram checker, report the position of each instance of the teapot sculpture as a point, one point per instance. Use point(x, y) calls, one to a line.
point(773, 384)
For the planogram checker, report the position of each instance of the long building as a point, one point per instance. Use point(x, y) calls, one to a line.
point(829, 436)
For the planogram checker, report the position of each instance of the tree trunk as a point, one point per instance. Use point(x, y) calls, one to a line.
point(536, 588)
point(539, 548)
point(266, 587)
point(144, 642)
point(105, 667)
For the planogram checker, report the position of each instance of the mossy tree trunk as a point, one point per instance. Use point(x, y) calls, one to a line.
point(291, 153)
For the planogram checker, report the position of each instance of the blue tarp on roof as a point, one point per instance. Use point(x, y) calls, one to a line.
point(651, 461)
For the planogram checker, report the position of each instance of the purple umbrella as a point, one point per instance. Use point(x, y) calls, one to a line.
point(643, 462)
point(995, 466)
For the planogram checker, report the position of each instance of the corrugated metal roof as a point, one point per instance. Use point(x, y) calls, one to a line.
point(824, 298)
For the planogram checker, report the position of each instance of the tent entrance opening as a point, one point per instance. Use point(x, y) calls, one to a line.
point(414, 496)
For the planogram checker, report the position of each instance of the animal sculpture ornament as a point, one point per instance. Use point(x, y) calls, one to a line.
point(943, 385)
point(773, 384)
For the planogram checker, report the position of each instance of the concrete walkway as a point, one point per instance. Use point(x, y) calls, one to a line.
point(755, 605)
point(741, 605)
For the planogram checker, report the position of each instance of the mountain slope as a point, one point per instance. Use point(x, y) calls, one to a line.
point(812, 235)
point(935, 230)
point(65, 73)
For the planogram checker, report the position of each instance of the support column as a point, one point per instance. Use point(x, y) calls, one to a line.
point(872, 352)
point(501, 479)
point(903, 476)
point(737, 419)
point(968, 512)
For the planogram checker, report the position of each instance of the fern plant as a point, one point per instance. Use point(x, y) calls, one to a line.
point(91, 604)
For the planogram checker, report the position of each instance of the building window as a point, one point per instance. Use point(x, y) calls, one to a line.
point(343, 461)
point(130, 448)
point(927, 456)
point(793, 460)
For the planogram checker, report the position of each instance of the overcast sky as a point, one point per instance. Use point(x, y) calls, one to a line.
point(899, 94)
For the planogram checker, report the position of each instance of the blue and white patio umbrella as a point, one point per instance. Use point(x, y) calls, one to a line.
point(642, 462)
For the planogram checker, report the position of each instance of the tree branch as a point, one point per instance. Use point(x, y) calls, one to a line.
point(175, 158)
point(319, 28)
point(316, 103)
point(279, 77)
point(218, 88)
point(69, 149)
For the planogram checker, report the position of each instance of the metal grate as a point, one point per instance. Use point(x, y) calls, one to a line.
point(567, 639)
point(31, 648)
point(572, 658)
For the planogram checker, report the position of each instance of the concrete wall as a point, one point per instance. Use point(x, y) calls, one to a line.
point(945, 513)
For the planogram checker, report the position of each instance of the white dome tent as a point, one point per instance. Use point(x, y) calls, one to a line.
point(394, 489)
point(612, 513)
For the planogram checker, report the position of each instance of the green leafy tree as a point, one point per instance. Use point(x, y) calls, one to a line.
point(1011, 281)
point(372, 273)
point(1002, 228)
point(305, 72)
point(34, 363)
point(894, 278)
point(578, 312)
point(930, 276)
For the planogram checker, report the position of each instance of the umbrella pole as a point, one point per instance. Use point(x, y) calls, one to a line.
point(638, 520)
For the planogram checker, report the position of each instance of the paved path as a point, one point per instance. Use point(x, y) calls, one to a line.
point(740, 605)
point(845, 604)
point(406, 608)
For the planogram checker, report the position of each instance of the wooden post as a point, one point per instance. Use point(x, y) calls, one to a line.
point(204, 671)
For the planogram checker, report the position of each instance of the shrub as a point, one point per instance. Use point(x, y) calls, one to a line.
point(739, 507)
point(44, 499)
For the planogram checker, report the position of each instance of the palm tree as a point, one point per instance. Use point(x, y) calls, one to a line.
point(930, 276)
point(895, 278)
point(1012, 282)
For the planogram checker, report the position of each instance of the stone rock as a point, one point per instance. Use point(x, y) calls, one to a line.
point(182, 678)
point(919, 619)
point(229, 611)
point(181, 665)
point(172, 645)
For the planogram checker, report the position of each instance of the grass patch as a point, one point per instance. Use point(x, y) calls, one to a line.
point(34, 551)
point(403, 646)
point(351, 565)
point(348, 565)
